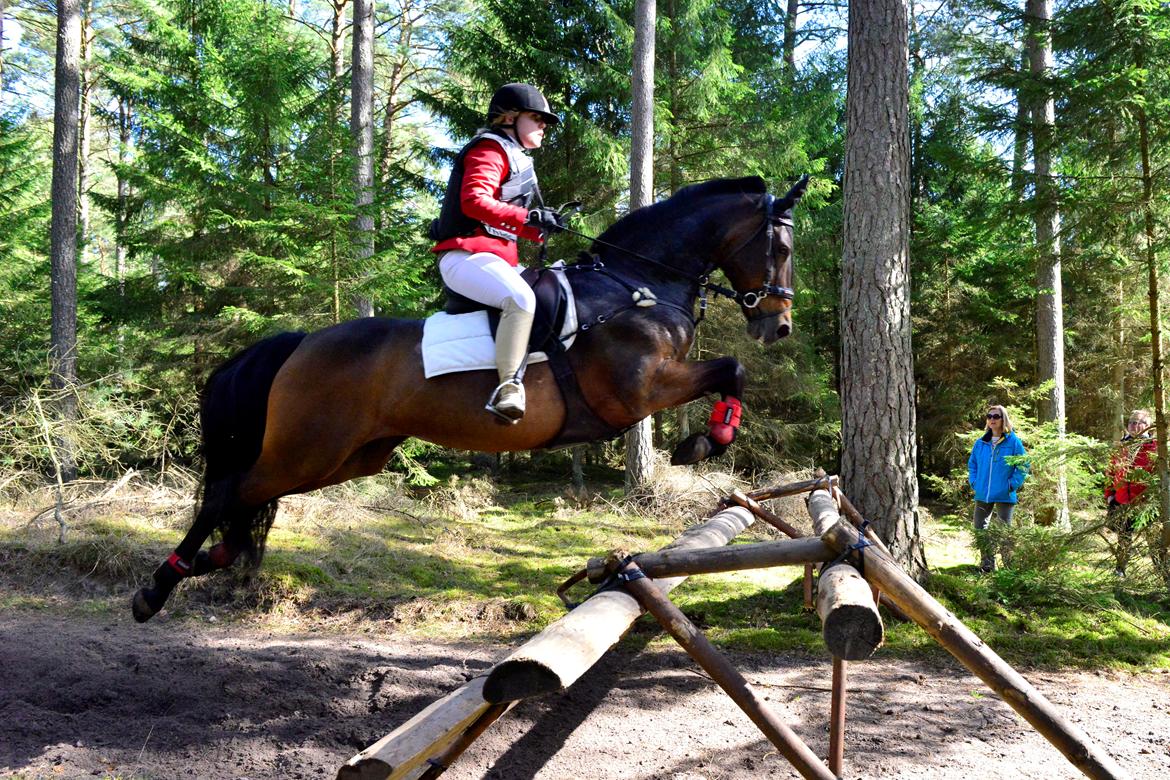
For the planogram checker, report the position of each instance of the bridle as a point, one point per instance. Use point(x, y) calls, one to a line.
point(748, 299)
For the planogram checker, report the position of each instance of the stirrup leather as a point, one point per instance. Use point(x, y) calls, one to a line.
point(513, 409)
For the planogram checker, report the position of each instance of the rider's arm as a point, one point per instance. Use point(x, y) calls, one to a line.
point(484, 168)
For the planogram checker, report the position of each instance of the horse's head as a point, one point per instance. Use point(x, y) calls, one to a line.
point(756, 256)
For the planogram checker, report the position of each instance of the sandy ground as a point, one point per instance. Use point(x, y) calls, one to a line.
point(102, 696)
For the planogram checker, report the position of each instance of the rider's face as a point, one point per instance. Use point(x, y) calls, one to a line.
point(530, 130)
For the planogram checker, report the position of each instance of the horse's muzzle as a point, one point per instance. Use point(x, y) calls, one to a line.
point(770, 329)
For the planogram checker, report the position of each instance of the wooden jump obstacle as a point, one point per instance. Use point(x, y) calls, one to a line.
point(857, 572)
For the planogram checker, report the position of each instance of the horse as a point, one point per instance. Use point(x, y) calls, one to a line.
point(296, 412)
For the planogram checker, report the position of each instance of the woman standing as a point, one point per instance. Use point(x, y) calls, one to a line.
point(1126, 480)
point(993, 479)
point(488, 206)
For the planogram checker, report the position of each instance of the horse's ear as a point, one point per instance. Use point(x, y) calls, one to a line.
point(786, 203)
point(797, 190)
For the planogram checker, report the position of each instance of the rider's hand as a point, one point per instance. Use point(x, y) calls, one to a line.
point(546, 219)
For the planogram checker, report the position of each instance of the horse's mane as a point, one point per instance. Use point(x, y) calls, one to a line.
point(650, 218)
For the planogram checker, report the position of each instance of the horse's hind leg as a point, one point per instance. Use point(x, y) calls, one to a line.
point(219, 508)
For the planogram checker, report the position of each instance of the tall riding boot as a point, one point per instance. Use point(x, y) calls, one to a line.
point(507, 401)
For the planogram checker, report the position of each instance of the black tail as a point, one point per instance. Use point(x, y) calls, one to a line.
point(233, 412)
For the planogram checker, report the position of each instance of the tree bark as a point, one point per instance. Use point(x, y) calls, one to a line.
point(790, 35)
point(63, 232)
point(1049, 297)
point(337, 40)
point(639, 443)
point(84, 127)
point(878, 460)
point(1162, 427)
point(361, 124)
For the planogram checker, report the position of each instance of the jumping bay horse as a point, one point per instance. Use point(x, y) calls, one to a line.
point(297, 412)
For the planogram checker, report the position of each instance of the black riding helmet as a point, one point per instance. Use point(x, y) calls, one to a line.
point(521, 97)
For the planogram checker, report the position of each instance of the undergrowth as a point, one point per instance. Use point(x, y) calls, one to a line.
point(480, 553)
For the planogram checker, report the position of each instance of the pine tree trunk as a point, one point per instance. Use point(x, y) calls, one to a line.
point(790, 35)
point(1022, 130)
point(1049, 296)
point(63, 232)
point(1157, 355)
point(84, 129)
point(639, 443)
point(337, 40)
point(1119, 357)
point(362, 126)
point(878, 461)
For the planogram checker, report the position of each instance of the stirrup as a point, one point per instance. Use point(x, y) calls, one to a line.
point(511, 412)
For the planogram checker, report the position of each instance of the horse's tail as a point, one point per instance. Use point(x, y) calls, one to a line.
point(233, 411)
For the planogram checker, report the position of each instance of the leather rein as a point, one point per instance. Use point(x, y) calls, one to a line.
point(749, 299)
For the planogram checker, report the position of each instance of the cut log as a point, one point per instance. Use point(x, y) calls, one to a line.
point(881, 570)
point(403, 753)
point(556, 657)
point(670, 563)
point(850, 621)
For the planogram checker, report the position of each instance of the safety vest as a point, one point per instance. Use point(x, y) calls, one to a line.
point(518, 189)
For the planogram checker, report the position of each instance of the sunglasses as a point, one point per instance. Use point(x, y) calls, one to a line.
point(994, 416)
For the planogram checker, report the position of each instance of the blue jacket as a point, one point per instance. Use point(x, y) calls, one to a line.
point(993, 480)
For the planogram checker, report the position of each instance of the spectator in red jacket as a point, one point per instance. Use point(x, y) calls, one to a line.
point(1126, 480)
point(492, 201)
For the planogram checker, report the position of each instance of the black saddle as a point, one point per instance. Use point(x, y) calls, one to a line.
point(551, 307)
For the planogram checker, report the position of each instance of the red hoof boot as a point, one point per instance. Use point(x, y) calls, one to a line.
point(724, 420)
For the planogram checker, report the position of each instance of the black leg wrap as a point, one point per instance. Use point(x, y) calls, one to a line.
point(148, 601)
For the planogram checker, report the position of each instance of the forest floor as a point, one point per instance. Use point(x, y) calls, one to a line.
point(370, 606)
point(101, 696)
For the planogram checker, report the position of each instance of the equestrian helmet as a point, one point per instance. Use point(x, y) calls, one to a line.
point(521, 97)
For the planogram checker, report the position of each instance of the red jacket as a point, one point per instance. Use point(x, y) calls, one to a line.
point(485, 167)
point(1133, 454)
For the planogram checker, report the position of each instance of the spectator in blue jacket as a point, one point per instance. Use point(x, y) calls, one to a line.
point(994, 481)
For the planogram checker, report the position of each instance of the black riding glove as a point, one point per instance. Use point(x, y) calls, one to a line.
point(546, 219)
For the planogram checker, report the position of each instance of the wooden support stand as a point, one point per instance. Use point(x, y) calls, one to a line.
point(984, 663)
point(550, 661)
point(852, 627)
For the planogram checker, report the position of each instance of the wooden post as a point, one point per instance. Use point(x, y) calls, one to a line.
point(555, 658)
point(725, 675)
point(837, 717)
point(851, 624)
point(881, 570)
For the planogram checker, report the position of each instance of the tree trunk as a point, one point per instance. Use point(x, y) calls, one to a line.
point(1, 55)
point(83, 128)
point(1119, 358)
point(639, 444)
point(337, 40)
point(361, 124)
point(1049, 298)
point(1162, 427)
point(1022, 130)
point(878, 458)
point(63, 233)
point(790, 35)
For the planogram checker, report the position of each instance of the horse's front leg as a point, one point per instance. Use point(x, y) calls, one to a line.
point(679, 383)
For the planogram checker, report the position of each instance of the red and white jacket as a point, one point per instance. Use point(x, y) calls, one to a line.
point(485, 169)
point(1131, 455)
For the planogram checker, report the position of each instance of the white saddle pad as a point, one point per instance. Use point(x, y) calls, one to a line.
point(463, 342)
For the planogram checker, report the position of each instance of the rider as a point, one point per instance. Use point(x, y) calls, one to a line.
point(492, 199)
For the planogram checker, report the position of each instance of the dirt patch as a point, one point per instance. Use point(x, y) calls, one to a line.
point(100, 696)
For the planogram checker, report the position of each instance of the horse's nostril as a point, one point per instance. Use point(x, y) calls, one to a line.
point(783, 330)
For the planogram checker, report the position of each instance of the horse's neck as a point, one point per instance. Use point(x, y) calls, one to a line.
point(673, 274)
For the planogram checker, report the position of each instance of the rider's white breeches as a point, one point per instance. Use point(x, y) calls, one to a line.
point(486, 278)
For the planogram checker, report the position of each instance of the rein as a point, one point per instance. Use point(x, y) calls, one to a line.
point(748, 300)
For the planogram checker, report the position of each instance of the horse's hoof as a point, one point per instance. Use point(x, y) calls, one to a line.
point(691, 450)
point(141, 607)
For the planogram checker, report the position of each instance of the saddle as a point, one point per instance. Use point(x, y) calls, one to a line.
point(551, 308)
point(582, 423)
